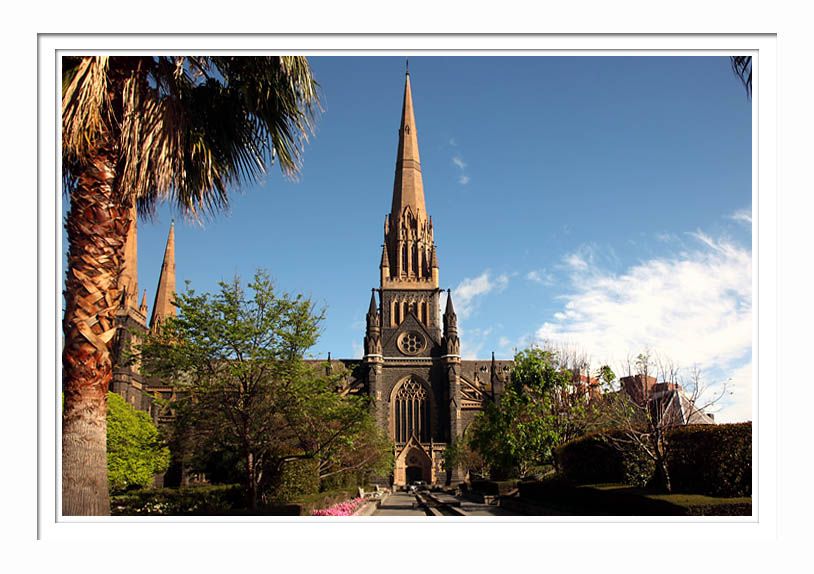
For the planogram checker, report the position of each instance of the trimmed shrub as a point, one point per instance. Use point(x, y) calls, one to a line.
point(715, 460)
point(297, 478)
point(195, 500)
point(341, 480)
point(307, 504)
point(559, 495)
point(492, 487)
point(591, 459)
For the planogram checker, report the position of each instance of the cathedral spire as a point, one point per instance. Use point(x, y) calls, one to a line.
point(163, 307)
point(128, 278)
point(408, 188)
point(373, 310)
point(143, 307)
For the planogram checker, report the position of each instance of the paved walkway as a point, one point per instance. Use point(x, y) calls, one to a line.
point(400, 504)
point(469, 507)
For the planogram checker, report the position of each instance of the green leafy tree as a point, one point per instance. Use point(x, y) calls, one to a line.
point(235, 360)
point(135, 450)
point(536, 413)
point(136, 130)
point(460, 454)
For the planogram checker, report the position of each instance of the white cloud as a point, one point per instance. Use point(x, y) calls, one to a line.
point(472, 341)
point(357, 349)
point(695, 308)
point(469, 291)
point(736, 404)
point(459, 162)
point(742, 216)
point(541, 276)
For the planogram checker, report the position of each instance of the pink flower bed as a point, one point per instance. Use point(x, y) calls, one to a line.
point(342, 509)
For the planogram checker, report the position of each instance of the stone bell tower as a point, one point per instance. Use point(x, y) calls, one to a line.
point(411, 367)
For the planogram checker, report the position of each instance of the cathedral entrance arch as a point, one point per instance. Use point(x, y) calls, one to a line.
point(413, 473)
point(412, 464)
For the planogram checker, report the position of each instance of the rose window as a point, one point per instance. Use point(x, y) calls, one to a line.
point(411, 343)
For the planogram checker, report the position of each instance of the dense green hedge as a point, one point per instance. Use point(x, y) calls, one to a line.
point(306, 504)
point(297, 478)
point(195, 500)
point(342, 480)
point(492, 487)
point(227, 500)
point(715, 460)
point(593, 459)
point(563, 497)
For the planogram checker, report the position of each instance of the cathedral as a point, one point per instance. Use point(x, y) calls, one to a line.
point(424, 395)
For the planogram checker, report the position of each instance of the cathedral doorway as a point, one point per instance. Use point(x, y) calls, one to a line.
point(412, 464)
point(414, 473)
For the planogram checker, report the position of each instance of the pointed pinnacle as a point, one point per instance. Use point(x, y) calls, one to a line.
point(449, 310)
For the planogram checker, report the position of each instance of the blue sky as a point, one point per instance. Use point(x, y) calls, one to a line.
point(598, 202)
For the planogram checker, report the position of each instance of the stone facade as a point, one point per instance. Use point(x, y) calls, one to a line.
point(423, 394)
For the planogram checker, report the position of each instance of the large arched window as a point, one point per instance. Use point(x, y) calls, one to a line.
point(412, 412)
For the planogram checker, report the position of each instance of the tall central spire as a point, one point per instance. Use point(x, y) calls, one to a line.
point(408, 189)
point(408, 257)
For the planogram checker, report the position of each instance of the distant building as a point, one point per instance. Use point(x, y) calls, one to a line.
point(672, 403)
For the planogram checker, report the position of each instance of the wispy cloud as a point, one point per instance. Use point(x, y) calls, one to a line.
point(357, 349)
point(470, 291)
point(695, 307)
point(742, 216)
point(541, 276)
point(458, 161)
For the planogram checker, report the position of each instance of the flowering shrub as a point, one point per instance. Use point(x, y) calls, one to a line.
point(346, 508)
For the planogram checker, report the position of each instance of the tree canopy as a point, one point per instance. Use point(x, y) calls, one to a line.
point(538, 411)
point(235, 359)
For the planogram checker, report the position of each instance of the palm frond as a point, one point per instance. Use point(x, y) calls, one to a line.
point(742, 66)
point(86, 106)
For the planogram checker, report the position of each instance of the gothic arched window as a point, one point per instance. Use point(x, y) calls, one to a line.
point(412, 412)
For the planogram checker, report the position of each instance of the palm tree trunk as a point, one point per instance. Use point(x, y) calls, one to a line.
point(97, 224)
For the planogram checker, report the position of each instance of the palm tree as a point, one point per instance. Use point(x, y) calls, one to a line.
point(742, 66)
point(136, 131)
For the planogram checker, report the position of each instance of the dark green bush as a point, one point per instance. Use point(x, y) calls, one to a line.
point(341, 480)
point(492, 487)
point(296, 478)
point(593, 459)
point(306, 504)
point(195, 500)
point(715, 460)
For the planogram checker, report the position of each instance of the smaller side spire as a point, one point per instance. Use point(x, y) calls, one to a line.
point(449, 310)
point(373, 310)
point(143, 307)
point(163, 307)
point(385, 259)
